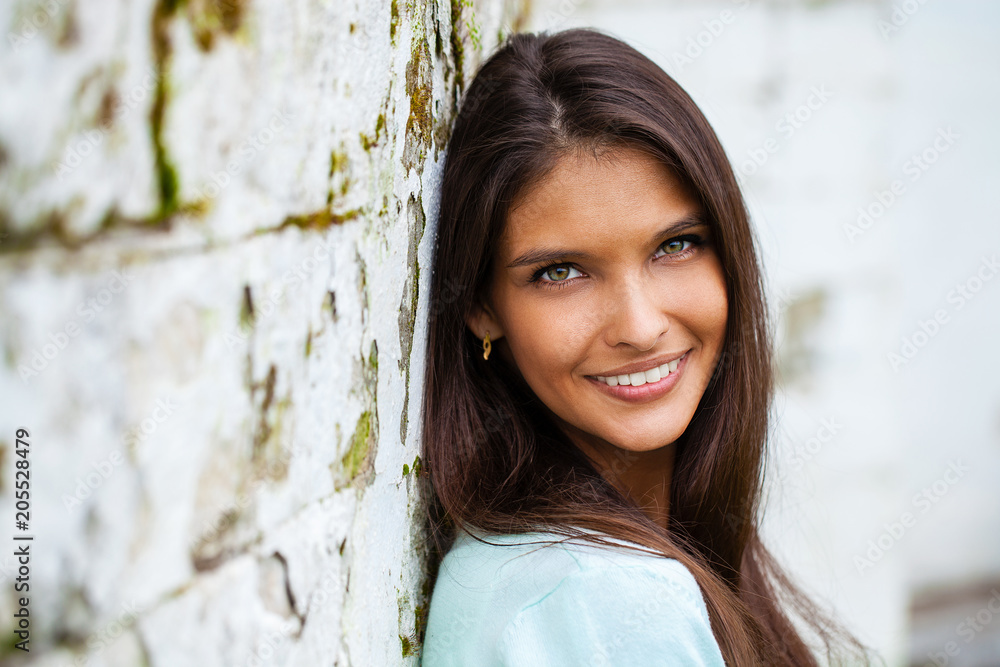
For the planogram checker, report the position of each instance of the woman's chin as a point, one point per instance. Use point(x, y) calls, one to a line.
point(644, 440)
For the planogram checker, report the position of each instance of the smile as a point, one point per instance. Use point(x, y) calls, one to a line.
point(642, 377)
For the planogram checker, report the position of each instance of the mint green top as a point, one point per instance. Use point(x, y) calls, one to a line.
point(574, 604)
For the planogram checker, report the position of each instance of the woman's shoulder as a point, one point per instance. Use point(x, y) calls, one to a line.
point(541, 555)
point(511, 596)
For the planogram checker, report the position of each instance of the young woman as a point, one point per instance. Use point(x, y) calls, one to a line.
point(598, 380)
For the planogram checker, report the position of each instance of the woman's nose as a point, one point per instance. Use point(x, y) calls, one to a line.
point(636, 316)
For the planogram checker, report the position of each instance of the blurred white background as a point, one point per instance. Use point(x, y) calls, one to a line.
point(866, 139)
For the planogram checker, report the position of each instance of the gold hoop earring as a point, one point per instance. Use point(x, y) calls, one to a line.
point(486, 345)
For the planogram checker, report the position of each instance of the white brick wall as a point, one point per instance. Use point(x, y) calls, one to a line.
point(212, 220)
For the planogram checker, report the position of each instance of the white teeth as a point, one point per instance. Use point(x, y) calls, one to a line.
point(641, 378)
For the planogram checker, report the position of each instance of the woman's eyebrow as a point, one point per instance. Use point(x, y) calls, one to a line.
point(540, 255)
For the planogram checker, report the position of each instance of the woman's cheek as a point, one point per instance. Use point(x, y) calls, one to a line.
point(705, 301)
point(553, 334)
point(545, 338)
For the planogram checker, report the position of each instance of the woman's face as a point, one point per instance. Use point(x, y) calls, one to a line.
point(606, 278)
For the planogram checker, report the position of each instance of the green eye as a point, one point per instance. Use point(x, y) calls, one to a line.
point(557, 273)
point(679, 245)
point(673, 246)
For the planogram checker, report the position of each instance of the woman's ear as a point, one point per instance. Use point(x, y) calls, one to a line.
point(482, 319)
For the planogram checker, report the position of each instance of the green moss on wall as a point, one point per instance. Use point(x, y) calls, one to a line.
point(166, 174)
point(321, 219)
point(338, 162)
point(373, 359)
point(475, 35)
point(338, 169)
point(407, 646)
point(418, 87)
point(370, 141)
point(354, 458)
point(416, 469)
point(211, 18)
point(394, 21)
point(420, 620)
point(457, 45)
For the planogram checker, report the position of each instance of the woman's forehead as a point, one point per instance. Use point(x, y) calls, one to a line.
point(607, 198)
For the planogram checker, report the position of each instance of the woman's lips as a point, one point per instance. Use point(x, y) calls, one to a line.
point(647, 391)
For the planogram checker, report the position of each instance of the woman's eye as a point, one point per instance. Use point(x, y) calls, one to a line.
point(678, 245)
point(557, 274)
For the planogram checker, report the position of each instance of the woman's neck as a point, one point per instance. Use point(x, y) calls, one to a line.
point(644, 477)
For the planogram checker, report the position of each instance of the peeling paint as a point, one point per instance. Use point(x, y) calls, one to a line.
point(409, 303)
point(418, 87)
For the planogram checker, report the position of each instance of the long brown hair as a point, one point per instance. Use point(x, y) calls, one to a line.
point(496, 461)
